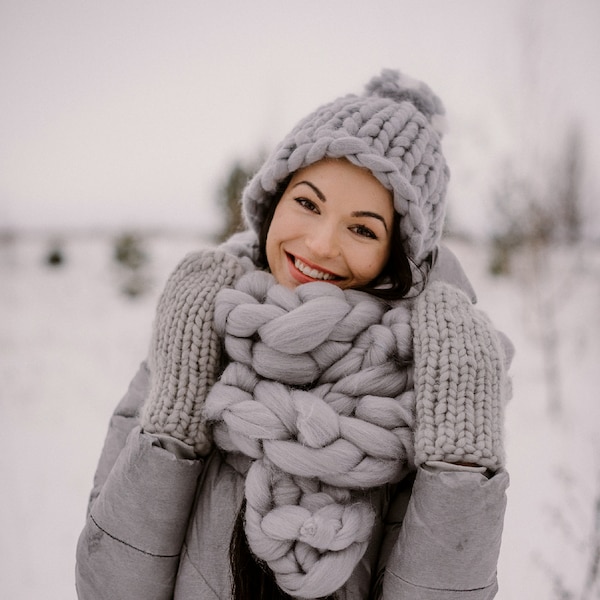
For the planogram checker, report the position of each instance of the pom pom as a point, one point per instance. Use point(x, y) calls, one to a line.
point(399, 87)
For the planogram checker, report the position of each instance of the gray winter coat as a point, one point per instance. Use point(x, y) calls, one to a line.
point(159, 525)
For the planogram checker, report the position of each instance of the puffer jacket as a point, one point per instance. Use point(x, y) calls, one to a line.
point(159, 524)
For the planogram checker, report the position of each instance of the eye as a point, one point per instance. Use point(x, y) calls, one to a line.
point(307, 204)
point(364, 231)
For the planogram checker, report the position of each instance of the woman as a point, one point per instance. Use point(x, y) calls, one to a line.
point(321, 411)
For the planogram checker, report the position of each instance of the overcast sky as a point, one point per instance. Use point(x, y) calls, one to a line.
point(127, 113)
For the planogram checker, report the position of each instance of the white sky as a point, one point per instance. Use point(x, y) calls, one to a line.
point(128, 113)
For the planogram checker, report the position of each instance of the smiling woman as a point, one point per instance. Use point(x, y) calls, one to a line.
point(333, 223)
point(311, 421)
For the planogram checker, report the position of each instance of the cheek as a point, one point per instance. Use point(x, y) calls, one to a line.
point(275, 236)
point(377, 264)
point(367, 266)
point(270, 249)
point(375, 259)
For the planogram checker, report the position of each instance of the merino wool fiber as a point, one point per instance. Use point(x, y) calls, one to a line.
point(316, 394)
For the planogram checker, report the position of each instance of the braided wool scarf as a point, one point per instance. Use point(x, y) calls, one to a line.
point(319, 394)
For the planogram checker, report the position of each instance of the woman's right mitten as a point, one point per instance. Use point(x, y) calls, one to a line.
point(185, 351)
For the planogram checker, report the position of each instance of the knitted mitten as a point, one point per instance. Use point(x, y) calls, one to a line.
point(184, 356)
point(460, 381)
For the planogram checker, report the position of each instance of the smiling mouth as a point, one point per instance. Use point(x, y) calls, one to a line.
point(312, 272)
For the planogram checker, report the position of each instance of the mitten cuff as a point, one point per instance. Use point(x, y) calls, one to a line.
point(460, 381)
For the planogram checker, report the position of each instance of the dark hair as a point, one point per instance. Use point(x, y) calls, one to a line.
point(394, 281)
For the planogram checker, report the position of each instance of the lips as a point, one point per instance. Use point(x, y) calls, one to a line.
point(310, 272)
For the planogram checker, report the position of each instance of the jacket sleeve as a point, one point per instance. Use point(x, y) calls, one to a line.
point(138, 512)
point(443, 542)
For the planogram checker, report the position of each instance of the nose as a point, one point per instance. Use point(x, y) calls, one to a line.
point(322, 241)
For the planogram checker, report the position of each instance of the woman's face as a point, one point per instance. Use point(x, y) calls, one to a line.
point(333, 223)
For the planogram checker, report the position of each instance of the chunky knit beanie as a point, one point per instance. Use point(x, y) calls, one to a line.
point(394, 129)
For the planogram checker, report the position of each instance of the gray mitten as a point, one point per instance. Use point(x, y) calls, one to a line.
point(184, 356)
point(461, 384)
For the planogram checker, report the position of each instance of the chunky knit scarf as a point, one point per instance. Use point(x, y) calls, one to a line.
point(318, 393)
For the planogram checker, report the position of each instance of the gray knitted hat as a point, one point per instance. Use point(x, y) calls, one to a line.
point(394, 129)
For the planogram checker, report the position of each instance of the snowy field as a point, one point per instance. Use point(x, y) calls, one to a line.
point(70, 340)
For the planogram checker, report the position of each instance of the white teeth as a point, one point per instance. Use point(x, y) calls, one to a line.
point(312, 273)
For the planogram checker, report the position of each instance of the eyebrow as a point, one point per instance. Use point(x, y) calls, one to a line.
point(314, 188)
point(356, 213)
point(368, 213)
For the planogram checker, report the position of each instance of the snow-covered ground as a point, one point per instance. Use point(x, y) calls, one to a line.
point(70, 340)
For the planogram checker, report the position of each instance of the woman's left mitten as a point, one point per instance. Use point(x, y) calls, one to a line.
point(461, 383)
point(184, 356)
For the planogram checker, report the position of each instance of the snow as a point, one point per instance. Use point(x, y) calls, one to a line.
point(70, 341)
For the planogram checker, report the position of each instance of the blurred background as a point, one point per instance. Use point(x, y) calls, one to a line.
point(127, 130)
